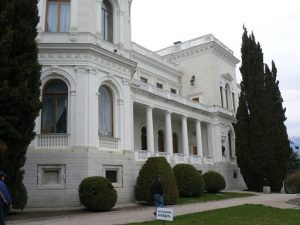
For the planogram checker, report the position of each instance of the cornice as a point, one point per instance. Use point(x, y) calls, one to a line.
point(203, 49)
point(78, 53)
point(140, 57)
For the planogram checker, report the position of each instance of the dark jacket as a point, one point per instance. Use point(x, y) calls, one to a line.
point(156, 187)
point(5, 194)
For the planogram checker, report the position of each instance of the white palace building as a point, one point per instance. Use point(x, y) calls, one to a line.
point(109, 103)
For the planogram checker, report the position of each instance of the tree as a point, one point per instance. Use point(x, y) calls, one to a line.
point(294, 162)
point(261, 138)
point(279, 142)
point(19, 89)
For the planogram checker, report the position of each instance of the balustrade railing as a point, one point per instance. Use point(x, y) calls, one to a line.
point(208, 160)
point(108, 143)
point(52, 140)
point(179, 158)
point(196, 159)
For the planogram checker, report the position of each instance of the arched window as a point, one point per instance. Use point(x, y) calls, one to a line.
point(175, 143)
point(227, 93)
point(55, 107)
point(144, 138)
point(107, 21)
point(58, 15)
point(105, 104)
point(161, 144)
point(230, 145)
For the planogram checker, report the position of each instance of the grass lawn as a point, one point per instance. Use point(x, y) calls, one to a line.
point(205, 197)
point(238, 215)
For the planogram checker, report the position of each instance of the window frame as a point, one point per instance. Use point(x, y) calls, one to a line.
point(144, 138)
point(112, 110)
point(159, 85)
point(57, 16)
point(62, 177)
point(175, 142)
point(119, 170)
point(144, 80)
point(161, 141)
point(54, 110)
point(108, 25)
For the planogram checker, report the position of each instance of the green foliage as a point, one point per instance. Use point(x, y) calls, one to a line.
point(213, 181)
point(156, 166)
point(97, 194)
point(262, 145)
point(292, 183)
point(20, 200)
point(19, 89)
point(294, 162)
point(189, 180)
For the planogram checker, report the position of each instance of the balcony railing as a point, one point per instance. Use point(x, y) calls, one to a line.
point(196, 159)
point(52, 141)
point(208, 160)
point(109, 143)
point(179, 158)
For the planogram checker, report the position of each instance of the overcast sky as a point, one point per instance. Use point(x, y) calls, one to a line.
point(276, 25)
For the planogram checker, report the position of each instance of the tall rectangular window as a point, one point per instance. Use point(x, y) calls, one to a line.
point(58, 15)
point(233, 102)
point(221, 94)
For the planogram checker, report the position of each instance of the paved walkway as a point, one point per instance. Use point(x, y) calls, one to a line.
point(140, 214)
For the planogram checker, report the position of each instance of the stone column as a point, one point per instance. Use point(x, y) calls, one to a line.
point(185, 142)
point(199, 138)
point(150, 138)
point(169, 141)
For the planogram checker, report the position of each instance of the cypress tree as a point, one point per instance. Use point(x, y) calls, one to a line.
point(19, 89)
point(280, 147)
point(261, 138)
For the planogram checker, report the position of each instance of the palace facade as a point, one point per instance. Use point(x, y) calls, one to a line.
point(109, 103)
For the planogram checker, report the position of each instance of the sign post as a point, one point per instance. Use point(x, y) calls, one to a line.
point(164, 214)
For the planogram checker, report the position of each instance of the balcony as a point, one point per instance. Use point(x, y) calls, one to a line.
point(196, 159)
point(109, 143)
point(179, 158)
point(53, 141)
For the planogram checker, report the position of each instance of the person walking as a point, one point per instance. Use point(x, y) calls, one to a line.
point(4, 197)
point(157, 193)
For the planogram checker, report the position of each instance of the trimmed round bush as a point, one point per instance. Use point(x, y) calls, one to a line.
point(189, 180)
point(156, 166)
point(214, 182)
point(97, 194)
point(292, 183)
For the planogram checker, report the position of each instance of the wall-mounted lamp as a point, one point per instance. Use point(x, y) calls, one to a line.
point(192, 80)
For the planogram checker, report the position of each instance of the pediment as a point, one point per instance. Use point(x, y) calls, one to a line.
point(227, 76)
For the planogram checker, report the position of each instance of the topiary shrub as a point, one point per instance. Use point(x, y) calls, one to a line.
point(189, 180)
point(213, 181)
point(97, 194)
point(152, 167)
point(292, 183)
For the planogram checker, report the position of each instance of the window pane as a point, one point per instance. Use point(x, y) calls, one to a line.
point(105, 112)
point(56, 86)
point(50, 177)
point(48, 117)
point(61, 114)
point(107, 21)
point(64, 16)
point(111, 175)
point(52, 16)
